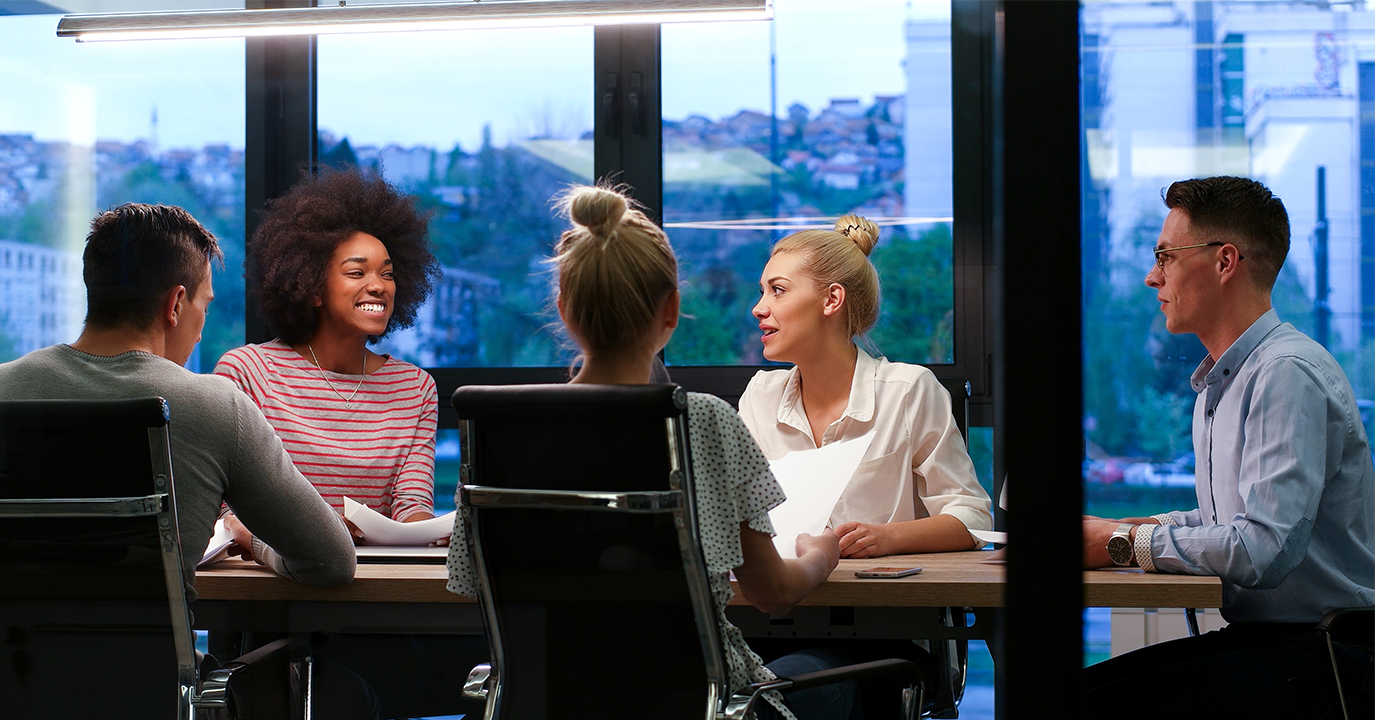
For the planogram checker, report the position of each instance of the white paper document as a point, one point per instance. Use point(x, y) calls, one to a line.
point(379, 529)
point(813, 480)
point(218, 549)
point(989, 536)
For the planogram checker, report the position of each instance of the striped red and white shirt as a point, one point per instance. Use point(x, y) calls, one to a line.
point(379, 451)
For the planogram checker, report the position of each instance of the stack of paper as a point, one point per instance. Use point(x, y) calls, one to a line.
point(813, 480)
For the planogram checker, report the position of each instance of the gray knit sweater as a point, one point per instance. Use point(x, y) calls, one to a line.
point(222, 450)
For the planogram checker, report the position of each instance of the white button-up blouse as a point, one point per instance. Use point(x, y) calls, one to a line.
point(915, 467)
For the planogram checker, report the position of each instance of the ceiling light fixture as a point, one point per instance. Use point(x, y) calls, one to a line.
point(328, 20)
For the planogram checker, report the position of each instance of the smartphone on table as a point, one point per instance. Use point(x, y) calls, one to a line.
point(887, 572)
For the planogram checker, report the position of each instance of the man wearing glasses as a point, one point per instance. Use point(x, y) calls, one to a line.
point(1286, 490)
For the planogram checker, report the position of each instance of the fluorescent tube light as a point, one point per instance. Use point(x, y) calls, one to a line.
point(328, 20)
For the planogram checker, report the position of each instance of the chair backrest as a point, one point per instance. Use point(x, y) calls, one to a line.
point(89, 548)
point(577, 502)
point(959, 390)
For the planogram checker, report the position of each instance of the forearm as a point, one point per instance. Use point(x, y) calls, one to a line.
point(796, 579)
point(775, 584)
point(413, 495)
point(939, 533)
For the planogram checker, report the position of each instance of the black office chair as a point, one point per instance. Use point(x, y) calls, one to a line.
point(577, 501)
point(951, 656)
point(1351, 626)
point(93, 605)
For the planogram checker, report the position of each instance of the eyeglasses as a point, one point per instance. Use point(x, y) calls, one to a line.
point(1161, 252)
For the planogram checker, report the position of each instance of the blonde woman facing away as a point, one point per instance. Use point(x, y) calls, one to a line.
point(618, 298)
point(915, 490)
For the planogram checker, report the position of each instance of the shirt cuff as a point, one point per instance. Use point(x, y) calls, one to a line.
point(1165, 519)
point(1141, 547)
point(259, 550)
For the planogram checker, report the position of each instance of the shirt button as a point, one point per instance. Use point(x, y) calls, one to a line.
point(1226, 371)
point(1210, 413)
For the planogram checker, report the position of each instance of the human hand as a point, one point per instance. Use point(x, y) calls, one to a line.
point(353, 530)
point(1097, 532)
point(864, 540)
point(826, 545)
point(243, 539)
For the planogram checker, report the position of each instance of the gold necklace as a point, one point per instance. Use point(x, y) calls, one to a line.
point(348, 401)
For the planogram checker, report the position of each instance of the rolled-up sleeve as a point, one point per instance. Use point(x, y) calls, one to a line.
point(1282, 468)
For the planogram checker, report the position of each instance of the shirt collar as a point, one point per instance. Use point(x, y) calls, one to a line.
point(1225, 367)
point(860, 406)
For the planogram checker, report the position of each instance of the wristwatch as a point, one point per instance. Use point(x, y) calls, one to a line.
point(1120, 545)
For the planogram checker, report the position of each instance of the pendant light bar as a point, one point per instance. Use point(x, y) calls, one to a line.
point(329, 20)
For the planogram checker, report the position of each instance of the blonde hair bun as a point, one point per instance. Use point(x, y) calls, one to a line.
point(598, 209)
point(860, 230)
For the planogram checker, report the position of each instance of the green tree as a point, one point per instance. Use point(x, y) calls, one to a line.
point(917, 317)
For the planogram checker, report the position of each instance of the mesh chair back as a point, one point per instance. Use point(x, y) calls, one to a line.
point(91, 556)
point(578, 505)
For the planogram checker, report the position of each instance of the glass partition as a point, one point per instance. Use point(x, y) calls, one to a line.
point(770, 128)
point(484, 127)
point(1280, 92)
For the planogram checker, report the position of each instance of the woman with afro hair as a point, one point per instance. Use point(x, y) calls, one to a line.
point(337, 263)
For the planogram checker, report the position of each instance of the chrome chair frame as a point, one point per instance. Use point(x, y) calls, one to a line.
point(1336, 623)
point(484, 681)
point(192, 692)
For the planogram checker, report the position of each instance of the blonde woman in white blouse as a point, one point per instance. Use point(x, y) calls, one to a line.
point(915, 490)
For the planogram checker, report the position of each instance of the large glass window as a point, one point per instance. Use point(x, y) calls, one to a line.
point(484, 127)
point(87, 127)
point(770, 128)
point(1280, 92)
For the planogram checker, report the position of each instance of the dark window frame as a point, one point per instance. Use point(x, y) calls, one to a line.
point(281, 123)
point(1015, 71)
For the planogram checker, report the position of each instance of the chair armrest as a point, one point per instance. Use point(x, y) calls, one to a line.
point(478, 682)
point(742, 702)
point(1350, 626)
point(214, 692)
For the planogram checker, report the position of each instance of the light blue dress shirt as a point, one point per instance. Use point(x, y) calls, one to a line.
point(1286, 490)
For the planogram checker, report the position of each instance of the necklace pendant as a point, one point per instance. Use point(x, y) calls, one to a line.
point(348, 406)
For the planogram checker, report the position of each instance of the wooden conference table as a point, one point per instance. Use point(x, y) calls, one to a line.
point(412, 598)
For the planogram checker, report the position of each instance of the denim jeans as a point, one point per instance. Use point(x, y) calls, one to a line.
point(838, 701)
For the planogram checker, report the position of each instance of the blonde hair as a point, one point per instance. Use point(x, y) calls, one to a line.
point(841, 256)
point(615, 268)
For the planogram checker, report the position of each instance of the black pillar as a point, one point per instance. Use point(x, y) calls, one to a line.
point(280, 134)
point(1038, 373)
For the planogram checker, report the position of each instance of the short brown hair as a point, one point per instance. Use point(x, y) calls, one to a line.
point(134, 254)
point(1243, 211)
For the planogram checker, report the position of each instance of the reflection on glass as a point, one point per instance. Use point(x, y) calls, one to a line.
point(1280, 92)
point(832, 108)
point(483, 127)
point(86, 127)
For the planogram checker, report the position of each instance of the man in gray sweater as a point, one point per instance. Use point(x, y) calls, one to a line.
point(147, 273)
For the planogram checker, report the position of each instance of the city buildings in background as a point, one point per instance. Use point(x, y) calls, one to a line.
point(42, 298)
point(1283, 92)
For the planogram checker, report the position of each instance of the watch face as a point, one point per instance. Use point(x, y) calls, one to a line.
point(1120, 550)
